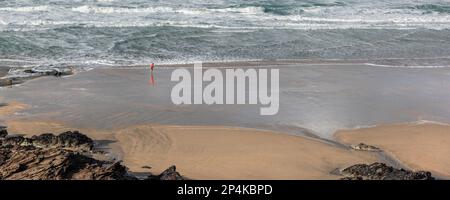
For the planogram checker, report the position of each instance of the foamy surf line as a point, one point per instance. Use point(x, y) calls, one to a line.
point(299, 15)
point(407, 66)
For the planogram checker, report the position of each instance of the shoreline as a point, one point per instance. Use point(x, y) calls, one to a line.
point(380, 62)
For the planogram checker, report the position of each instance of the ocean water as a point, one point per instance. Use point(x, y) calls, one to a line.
point(136, 32)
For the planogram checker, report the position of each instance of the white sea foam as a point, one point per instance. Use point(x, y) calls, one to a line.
point(429, 122)
point(244, 10)
point(117, 10)
point(408, 66)
point(164, 9)
point(250, 17)
point(25, 9)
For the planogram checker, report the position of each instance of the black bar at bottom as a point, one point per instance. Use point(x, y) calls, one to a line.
point(236, 190)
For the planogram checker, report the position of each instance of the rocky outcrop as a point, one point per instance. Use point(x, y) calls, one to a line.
point(364, 147)
point(70, 140)
point(29, 162)
point(380, 171)
point(6, 82)
point(20, 75)
point(3, 131)
point(49, 71)
point(64, 140)
point(168, 174)
point(67, 156)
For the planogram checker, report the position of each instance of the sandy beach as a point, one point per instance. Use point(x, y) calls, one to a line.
point(213, 152)
point(139, 125)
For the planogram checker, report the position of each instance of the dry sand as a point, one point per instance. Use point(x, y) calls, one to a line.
point(207, 152)
point(419, 146)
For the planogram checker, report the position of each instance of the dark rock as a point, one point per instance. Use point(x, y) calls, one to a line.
point(72, 140)
point(380, 171)
point(168, 174)
point(75, 140)
point(364, 147)
point(6, 82)
point(45, 140)
point(68, 139)
point(30, 73)
point(114, 172)
point(50, 157)
point(24, 163)
point(3, 131)
point(62, 157)
point(49, 71)
point(17, 141)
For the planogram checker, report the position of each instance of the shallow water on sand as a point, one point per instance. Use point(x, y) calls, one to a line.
point(319, 98)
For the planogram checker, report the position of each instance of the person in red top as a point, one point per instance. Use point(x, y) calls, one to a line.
point(152, 66)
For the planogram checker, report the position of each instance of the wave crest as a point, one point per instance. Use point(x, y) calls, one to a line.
point(25, 9)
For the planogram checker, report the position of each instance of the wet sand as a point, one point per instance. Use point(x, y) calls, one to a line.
point(11, 107)
point(315, 99)
point(419, 146)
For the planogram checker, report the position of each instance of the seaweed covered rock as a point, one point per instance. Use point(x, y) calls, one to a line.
point(64, 140)
point(364, 147)
point(381, 171)
point(71, 140)
point(49, 71)
point(17, 141)
point(3, 131)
